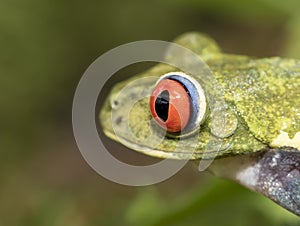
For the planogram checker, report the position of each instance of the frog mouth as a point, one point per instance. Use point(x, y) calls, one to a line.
point(178, 154)
point(153, 152)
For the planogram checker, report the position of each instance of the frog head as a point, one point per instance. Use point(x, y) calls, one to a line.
point(218, 131)
point(246, 114)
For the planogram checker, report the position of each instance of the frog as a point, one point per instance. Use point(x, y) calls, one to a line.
point(256, 131)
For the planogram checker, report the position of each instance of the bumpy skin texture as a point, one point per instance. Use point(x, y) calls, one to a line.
point(266, 94)
point(262, 98)
point(261, 139)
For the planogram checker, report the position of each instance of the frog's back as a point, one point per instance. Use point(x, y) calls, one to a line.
point(265, 94)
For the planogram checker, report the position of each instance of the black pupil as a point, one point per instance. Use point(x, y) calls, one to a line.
point(162, 105)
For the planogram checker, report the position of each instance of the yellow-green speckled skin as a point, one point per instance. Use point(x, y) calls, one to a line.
point(262, 94)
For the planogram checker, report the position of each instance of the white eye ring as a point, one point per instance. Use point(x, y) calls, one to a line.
point(197, 96)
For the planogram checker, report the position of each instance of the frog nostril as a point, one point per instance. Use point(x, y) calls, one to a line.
point(114, 104)
point(162, 105)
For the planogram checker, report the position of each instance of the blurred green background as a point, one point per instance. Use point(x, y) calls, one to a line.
point(45, 47)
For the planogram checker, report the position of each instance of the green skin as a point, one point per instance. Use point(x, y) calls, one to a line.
point(262, 98)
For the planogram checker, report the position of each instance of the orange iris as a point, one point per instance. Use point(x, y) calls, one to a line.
point(170, 105)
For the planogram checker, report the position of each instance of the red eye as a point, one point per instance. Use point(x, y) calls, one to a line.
point(170, 105)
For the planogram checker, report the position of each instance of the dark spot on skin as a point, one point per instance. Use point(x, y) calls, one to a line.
point(116, 102)
point(119, 120)
point(162, 105)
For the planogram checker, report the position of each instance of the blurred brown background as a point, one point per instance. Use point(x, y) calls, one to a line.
point(45, 47)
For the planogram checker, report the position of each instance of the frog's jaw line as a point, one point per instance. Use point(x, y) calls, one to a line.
point(274, 173)
point(149, 151)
